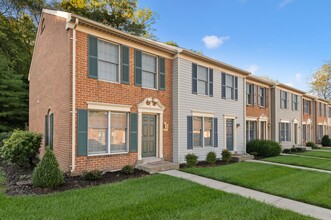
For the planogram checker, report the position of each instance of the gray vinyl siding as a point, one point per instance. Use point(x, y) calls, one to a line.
point(279, 114)
point(185, 102)
point(175, 100)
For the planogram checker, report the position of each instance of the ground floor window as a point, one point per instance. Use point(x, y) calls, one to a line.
point(284, 132)
point(320, 132)
point(107, 132)
point(202, 131)
point(251, 130)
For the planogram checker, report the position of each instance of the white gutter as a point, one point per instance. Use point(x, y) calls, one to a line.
point(73, 117)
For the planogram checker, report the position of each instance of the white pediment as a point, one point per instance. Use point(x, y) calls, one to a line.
point(151, 105)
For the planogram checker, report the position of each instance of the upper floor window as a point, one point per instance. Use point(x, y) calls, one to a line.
point(321, 109)
point(148, 68)
point(202, 80)
point(306, 106)
point(108, 61)
point(202, 131)
point(295, 102)
point(249, 93)
point(283, 99)
point(262, 96)
point(229, 86)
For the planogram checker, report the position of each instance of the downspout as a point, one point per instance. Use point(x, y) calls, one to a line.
point(244, 121)
point(73, 117)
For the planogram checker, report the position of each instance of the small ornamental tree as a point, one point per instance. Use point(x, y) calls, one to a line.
point(47, 173)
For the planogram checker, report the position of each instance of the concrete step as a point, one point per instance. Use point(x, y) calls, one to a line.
point(157, 166)
point(241, 157)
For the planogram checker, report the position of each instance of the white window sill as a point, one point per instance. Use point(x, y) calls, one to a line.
point(103, 80)
point(107, 154)
point(149, 88)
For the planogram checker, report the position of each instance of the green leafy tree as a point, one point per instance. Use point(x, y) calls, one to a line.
point(172, 43)
point(320, 83)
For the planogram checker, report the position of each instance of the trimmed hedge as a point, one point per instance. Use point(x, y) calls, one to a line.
point(226, 155)
point(326, 141)
point(191, 160)
point(264, 148)
point(311, 144)
point(211, 157)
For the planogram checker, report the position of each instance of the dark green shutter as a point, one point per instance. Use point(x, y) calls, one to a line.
point(133, 132)
point(137, 68)
point(266, 97)
point(211, 79)
point(46, 131)
point(189, 132)
point(162, 79)
point(82, 132)
point(51, 125)
point(125, 65)
point(215, 132)
point(223, 95)
point(92, 57)
point(194, 78)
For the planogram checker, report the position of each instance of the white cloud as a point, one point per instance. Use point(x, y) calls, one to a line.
point(212, 41)
point(253, 68)
point(283, 3)
point(298, 77)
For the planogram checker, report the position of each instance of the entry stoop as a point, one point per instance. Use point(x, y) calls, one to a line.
point(157, 166)
point(241, 157)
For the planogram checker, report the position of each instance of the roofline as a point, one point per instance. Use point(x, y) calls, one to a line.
point(260, 80)
point(290, 88)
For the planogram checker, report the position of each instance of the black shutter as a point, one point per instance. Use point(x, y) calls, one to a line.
point(215, 132)
point(223, 95)
point(189, 132)
point(266, 97)
point(133, 132)
point(51, 126)
point(211, 79)
point(162, 79)
point(137, 68)
point(194, 78)
point(46, 131)
point(92, 57)
point(125, 65)
point(235, 88)
point(82, 132)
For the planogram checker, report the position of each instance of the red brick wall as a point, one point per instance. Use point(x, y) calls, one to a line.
point(50, 86)
point(93, 90)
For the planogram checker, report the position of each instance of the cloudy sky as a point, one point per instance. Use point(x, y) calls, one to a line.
point(288, 40)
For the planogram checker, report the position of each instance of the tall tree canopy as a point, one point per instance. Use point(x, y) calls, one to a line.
point(320, 83)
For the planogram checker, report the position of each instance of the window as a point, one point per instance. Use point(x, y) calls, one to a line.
point(202, 80)
point(320, 132)
point(229, 86)
point(107, 132)
point(284, 132)
point(149, 68)
point(261, 96)
point(251, 130)
point(249, 93)
point(295, 102)
point(108, 61)
point(49, 127)
point(202, 132)
point(306, 106)
point(304, 132)
point(283, 100)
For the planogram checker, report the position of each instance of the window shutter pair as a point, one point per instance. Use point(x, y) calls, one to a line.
point(195, 80)
point(93, 60)
point(82, 132)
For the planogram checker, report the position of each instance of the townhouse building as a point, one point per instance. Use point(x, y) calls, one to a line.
point(321, 119)
point(308, 119)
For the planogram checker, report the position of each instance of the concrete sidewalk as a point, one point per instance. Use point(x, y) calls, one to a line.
point(280, 202)
point(313, 157)
point(291, 166)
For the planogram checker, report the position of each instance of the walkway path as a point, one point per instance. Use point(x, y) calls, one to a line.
point(291, 166)
point(280, 202)
point(313, 157)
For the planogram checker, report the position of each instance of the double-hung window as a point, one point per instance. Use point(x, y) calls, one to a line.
point(202, 80)
point(283, 99)
point(284, 132)
point(149, 70)
point(108, 61)
point(107, 132)
point(306, 106)
point(202, 131)
point(261, 96)
point(229, 86)
point(295, 102)
point(249, 94)
point(251, 130)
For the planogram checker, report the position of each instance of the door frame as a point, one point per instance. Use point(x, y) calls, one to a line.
point(234, 132)
point(155, 134)
point(151, 106)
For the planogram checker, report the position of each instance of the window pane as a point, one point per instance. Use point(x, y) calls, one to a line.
point(148, 79)
point(118, 132)
point(107, 71)
point(108, 52)
point(202, 87)
point(197, 129)
point(97, 132)
point(208, 130)
point(148, 63)
point(202, 73)
point(229, 80)
point(229, 93)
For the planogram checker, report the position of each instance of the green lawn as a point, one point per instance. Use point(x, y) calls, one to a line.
point(318, 163)
point(302, 185)
point(316, 154)
point(151, 197)
point(325, 148)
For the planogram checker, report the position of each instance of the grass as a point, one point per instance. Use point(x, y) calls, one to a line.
point(151, 197)
point(325, 148)
point(318, 163)
point(302, 185)
point(316, 154)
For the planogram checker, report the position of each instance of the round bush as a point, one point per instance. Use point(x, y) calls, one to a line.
point(128, 169)
point(311, 144)
point(325, 141)
point(47, 173)
point(226, 155)
point(264, 148)
point(92, 175)
point(211, 157)
point(191, 160)
point(21, 147)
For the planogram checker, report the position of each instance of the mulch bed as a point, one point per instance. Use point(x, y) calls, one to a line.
point(206, 164)
point(15, 174)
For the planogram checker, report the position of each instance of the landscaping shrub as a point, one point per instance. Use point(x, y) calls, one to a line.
point(92, 175)
point(211, 157)
point(21, 147)
point(191, 160)
point(226, 155)
point(311, 144)
point(264, 148)
point(293, 150)
point(286, 151)
point(326, 141)
point(3, 137)
point(300, 149)
point(128, 169)
point(47, 173)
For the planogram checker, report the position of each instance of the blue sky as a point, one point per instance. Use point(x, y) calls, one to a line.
point(288, 40)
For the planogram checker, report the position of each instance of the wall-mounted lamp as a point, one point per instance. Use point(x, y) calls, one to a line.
point(269, 124)
point(238, 125)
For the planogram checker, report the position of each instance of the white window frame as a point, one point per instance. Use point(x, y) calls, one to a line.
point(208, 80)
point(204, 115)
point(286, 130)
point(156, 73)
point(256, 130)
point(261, 97)
point(283, 99)
point(249, 96)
